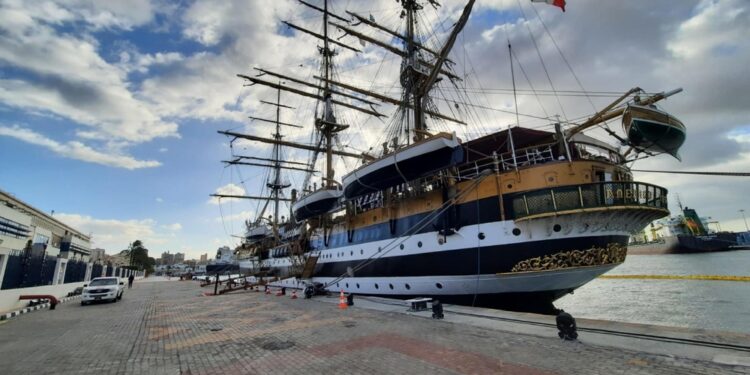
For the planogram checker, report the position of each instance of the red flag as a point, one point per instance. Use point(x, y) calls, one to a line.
point(558, 3)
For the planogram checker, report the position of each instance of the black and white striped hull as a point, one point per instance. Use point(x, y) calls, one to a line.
point(475, 265)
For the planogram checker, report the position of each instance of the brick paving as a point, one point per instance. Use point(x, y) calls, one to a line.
point(171, 328)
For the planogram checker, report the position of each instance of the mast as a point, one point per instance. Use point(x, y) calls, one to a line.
point(328, 112)
point(411, 69)
point(277, 163)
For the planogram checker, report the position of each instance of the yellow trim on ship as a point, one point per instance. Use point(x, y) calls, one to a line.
point(679, 277)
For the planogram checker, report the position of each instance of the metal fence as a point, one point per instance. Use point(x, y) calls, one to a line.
point(96, 270)
point(594, 195)
point(75, 271)
point(23, 271)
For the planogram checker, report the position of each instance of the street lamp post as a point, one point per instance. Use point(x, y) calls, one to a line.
point(745, 219)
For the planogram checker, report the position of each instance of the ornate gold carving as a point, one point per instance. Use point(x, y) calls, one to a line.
point(595, 256)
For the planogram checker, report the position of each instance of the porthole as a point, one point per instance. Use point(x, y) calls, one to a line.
point(347, 285)
point(337, 285)
point(401, 246)
point(516, 232)
point(407, 286)
point(361, 251)
point(357, 285)
point(390, 286)
point(376, 286)
point(351, 253)
point(380, 249)
point(439, 286)
point(510, 186)
point(419, 244)
point(556, 227)
point(481, 235)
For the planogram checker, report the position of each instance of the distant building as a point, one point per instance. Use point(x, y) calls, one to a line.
point(97, 255)
point(179, 258)
point(204, 259)
point(167, 259)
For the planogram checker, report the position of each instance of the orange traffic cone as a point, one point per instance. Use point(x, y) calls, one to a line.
point(342, 301)
point(294, 294)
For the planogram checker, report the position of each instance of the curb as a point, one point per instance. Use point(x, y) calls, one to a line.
point(25, 310)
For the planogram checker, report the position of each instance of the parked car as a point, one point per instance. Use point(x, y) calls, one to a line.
point(103, 289)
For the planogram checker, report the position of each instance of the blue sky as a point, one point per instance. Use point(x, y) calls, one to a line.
point(109, 110)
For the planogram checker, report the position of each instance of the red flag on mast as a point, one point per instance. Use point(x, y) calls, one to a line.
point(558, 3)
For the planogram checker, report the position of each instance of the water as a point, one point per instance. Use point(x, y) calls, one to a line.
point(714, 305)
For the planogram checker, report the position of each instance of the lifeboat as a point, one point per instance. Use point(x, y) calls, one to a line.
point(651, 129)
point(257, 232)
point(316, 203)
point(415, 161)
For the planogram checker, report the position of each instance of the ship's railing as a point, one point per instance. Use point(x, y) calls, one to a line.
point(593, 195)
point(505, 162)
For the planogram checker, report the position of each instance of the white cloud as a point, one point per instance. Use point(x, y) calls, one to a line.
point(115, 235)
point(163, 149)
point(159, 200)
point(241, 217)
point(173, 227)
point(65, 75)
point(228, 189)
point(77, 150)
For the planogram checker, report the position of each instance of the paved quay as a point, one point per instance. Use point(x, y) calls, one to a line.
point(170, 328)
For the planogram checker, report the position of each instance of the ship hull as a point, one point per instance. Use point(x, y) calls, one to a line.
point(682, 244)
point(483, 265)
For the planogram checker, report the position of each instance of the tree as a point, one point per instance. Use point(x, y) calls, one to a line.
point(139, 257)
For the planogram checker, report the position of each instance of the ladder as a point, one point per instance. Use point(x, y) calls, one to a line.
point(309, 267)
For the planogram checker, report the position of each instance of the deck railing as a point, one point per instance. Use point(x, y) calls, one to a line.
point(593, 195)
point(505, 162)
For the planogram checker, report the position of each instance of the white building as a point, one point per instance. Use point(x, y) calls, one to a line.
point(22, 225)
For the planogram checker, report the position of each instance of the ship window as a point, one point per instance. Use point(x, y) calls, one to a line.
point(380, 249)
point(556, 227)
point(510, 186)
point(390, 286)
point(401, 246)
point(361, 251)
point(481, 235)
point(439, 286)
point(376, 286)
point(347, 285)
point(337, 285)
point(516, 231)
point(407, 286)
point(357, 285)
point(419, 244)
point(351, 253)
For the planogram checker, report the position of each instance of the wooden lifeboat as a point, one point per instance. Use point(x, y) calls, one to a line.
point(316, 203)
point(258, 232)
point(415, 161)
point(651, 129)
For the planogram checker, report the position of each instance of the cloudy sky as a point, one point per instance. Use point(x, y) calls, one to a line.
point(109, 109)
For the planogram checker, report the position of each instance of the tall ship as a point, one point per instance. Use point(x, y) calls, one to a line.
point(512, 218)
point(685, 233)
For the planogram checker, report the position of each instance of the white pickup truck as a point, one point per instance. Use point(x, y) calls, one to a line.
point(103, 289)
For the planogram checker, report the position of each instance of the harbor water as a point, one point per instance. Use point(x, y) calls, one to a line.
point(714, 305)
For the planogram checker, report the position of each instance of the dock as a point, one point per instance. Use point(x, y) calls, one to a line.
point(171, 327)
